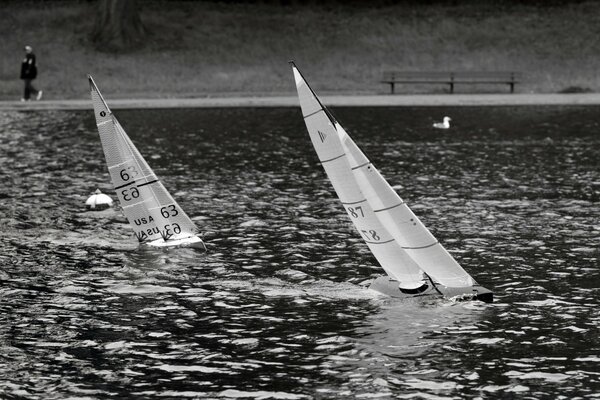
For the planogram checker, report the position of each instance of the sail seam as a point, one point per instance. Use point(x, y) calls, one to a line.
point(332, 159)
point(388, 208)
point(104, 122)
point(312, 113)
point(387, 241)
point(420, 247)
point(361, 165)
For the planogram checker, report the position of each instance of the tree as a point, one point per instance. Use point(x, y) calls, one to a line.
point(118, 26)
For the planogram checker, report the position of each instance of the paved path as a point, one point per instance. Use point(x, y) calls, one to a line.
point(334, 101)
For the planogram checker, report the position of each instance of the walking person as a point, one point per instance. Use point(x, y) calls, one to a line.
point(28, 74)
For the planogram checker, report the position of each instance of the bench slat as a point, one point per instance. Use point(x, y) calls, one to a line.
point(450, 77)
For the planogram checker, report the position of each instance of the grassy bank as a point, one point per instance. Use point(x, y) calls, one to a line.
point(217, 49)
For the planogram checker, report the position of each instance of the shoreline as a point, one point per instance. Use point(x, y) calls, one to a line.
point(428, 100)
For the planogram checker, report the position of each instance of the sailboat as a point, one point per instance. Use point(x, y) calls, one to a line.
point(416, 263)
point(156, 218)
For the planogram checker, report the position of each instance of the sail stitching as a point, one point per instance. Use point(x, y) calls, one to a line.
point(104, 122)
point(388, 208)
point(332, 159)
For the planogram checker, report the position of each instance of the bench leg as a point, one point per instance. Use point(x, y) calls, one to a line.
point(392, 87)
point(512, 87)
point(452, 87)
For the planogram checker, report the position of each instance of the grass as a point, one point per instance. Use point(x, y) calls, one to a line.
point(220, 49)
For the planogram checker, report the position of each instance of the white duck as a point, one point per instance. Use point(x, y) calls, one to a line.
point(443, 125)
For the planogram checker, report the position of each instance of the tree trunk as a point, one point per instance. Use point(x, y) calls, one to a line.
point(118, 26)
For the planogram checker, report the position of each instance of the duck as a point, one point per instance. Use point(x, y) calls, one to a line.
point(443, 125)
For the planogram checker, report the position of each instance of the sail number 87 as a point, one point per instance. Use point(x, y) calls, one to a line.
point(356, 212)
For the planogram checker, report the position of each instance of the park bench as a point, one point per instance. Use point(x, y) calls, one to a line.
point(450, 78)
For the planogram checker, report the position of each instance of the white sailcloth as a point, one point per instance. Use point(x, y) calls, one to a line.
point(151, 211)
point(354, 178)
point(404, 226)
point(330, 151)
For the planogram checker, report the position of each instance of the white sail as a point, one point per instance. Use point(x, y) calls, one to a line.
point(407, 248)
point(399, 220)
point(326, 141)
point(151, 211)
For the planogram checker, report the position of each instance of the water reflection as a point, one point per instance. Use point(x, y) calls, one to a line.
point(278, 308)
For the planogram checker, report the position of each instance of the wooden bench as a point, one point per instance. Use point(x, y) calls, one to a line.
point(450, 78)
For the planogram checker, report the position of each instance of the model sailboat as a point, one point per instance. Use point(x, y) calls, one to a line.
point(156, 218)
point(415, 262)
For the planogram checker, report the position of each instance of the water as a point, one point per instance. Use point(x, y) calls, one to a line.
point(278, 308)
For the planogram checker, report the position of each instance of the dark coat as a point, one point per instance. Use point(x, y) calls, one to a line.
point(28, 68)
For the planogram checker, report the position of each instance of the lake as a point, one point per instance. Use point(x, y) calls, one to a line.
point(278, 308)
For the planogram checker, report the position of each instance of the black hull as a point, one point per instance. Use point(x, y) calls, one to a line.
point(389, 286)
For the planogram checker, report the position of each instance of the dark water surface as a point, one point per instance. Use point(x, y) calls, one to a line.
point(278, 308)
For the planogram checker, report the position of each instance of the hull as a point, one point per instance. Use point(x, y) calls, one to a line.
point(191, 241)
point(389, 287)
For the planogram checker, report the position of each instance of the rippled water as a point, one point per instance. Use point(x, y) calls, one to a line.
point(278, 308)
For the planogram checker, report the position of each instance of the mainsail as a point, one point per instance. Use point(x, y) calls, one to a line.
point(328, 145)
point(155, 216)
point(396, 237)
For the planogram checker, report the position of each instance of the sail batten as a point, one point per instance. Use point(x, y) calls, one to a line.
point(313, 113)
point(354, 202)
point(420, 247)
point(332, 159)
point(388, 208)
point(360, 166)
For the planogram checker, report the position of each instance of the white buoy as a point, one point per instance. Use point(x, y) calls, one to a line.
point(98, 201)
point(443, 125)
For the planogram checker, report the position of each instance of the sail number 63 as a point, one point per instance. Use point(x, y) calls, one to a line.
point(128, 173)
point(130, 193)
point(169, 211)
point(172, 229)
